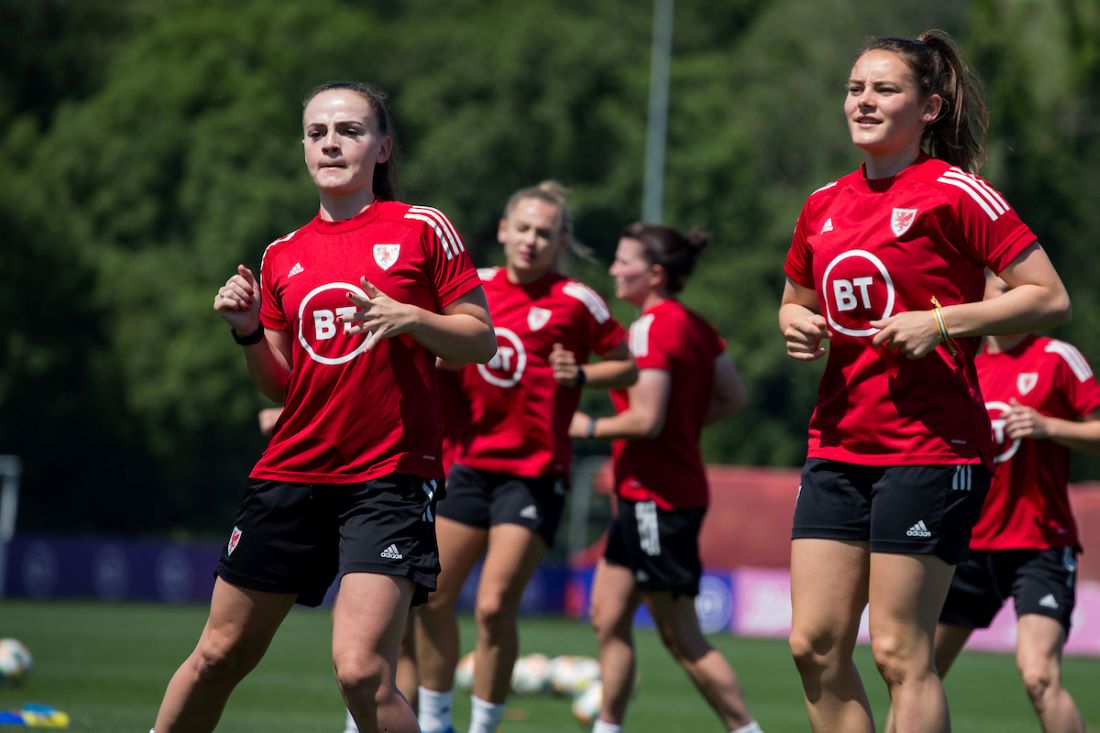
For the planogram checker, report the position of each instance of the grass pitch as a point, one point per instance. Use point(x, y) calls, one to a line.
point(107, 665)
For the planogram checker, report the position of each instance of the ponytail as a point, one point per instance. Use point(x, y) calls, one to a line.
point(957, 135)
point(668, 247)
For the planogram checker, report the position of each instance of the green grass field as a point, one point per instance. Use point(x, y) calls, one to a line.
point(107, 665)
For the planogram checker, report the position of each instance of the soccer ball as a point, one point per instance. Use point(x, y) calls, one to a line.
point(531, 674)
point(464, 673)
point(15, 662)
point(586, 705)
point(570, 675)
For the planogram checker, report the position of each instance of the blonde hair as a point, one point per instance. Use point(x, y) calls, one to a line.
point(555, 194)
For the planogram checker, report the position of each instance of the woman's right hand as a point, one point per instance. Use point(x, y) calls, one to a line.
point(238, 301)
point(804, 336)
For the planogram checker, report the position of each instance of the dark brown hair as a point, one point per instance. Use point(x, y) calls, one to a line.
point(957, 135)
point(384, 184)
point(670, 248)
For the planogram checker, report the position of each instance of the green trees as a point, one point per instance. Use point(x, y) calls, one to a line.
point(150, 147)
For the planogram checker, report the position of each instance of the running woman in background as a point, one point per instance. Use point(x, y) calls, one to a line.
point(506, 491)
point(887, 263)
point(686, 380)
point(1043, 401)
point(344, 328)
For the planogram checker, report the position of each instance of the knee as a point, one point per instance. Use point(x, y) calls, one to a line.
point(606, 624)
point(221, 658)
point(1039, 679)
point(493, 614)
point(813, 652)
point(361, 678)
point(894, 659)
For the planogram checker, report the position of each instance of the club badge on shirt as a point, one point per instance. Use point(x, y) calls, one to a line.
point(537, 318)
point(901, 220)
point(385, 255)
point(1026, 381)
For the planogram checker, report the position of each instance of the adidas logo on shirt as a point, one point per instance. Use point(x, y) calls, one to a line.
point(918, 530)
point(530, 512)
point(828, 227)
point(391, 553)
point(296, 270)
point(1048, 601)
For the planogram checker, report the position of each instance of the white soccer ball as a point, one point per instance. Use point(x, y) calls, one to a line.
point(586, 705)
point(464, 673)
point(531, 674)
point(15, 662)
point(570, 675)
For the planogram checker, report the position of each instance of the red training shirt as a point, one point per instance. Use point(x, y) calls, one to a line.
point(872, 248)
point(1028, 503)
point(519, 416)
point(351, 414)
point(668, 469)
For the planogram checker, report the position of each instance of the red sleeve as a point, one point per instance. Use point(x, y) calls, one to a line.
point(649, 343)
point(992, 232)
point(1076, 381)
point(452, 273)
point(271, 312)
point(799, 266)
point(603, 333)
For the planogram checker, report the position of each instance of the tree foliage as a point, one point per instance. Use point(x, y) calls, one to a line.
point(150, 147)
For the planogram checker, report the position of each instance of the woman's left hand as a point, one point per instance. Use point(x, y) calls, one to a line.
point(914, 334)
point(1024, 422)
point(378, 315)
point(564, 365)
point(579, 425)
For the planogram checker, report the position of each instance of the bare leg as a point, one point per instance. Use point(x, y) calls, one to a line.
point(368, 622)
point(828, 594)
point(407, 679)
point(907, 594)
point(1039, 643)
point(950, 641)
point(708, 670)
point(437, 641)
point(238, 631)
point(514, 554)
point(614, 601)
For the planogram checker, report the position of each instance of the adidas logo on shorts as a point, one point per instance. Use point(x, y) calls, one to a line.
point(530, 512)
point(1048, 601)
point(391, 553)
point(918, 530)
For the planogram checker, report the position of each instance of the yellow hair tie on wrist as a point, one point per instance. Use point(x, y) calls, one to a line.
point(945, 337)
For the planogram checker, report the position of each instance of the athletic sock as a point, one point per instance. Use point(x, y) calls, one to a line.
point(605, 727)
point(752, 727)
point(485, 716)
point(435, 710)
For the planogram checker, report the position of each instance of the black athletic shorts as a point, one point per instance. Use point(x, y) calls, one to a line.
point(661, 547)
point(918, 510)
point(1039, 581)
point(297, 538)
point(485, 499)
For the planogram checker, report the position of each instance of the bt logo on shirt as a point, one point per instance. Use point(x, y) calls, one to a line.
point(321, 333)
point(998, 412)
point(506, 367)
point(857, 289)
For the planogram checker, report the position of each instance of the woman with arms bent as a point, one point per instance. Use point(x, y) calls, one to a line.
point(685, 381)
point(506, 490)
point(343, 327)
point(887, 264)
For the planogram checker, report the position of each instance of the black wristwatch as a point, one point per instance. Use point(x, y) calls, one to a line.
point(249, 338)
